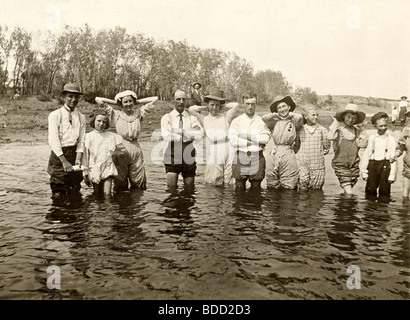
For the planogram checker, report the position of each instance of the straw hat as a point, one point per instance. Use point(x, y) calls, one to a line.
point(280, 98)
point(71, 87)
point(215, 94)
point(353, 108)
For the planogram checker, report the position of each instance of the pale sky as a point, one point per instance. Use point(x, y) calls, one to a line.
point(353, 47)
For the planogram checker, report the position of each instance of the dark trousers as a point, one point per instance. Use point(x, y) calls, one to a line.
point(61, 181)
point(379, 171)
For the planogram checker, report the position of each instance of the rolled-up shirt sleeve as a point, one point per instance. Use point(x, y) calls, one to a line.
point(53, 134)
point(196, 130)
point(264, 133)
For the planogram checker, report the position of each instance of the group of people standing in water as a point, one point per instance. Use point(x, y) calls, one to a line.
point(235, 139)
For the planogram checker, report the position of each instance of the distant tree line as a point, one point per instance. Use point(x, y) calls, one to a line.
point(107, 61)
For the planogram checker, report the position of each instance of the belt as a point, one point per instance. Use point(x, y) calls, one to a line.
point(251, 152)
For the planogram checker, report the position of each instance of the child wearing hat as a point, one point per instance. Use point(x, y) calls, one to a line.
point(347, 137)
point(314, 145)
point(378, 165)
point(219, 155)
point(403, 146)
point(66, 133)
point(282, 168)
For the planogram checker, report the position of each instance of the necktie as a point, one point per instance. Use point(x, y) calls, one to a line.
point(181, 124)
point(70, 117)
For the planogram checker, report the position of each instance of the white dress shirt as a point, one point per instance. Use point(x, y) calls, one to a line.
point(170, 127)
point(62, 133)
point(243, 127)
point(380, 147)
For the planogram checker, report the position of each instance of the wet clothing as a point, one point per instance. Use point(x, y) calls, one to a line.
point(248, 138)
point(61, 181)
point(314, 145)
point(403, 146)
point(282, 169)
point(377, 164)
point(66, 133)
point(249, 166)
point(179, 156)
point(219, 153)
point(346, 144)
point(130, 164)
point(99, 147)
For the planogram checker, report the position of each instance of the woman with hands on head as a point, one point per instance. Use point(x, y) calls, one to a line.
point(130, 165)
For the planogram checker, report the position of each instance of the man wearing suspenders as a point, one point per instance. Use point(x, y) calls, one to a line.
point(378, 165)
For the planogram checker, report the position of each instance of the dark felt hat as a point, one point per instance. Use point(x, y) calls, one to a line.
point(71, 87)
point(196, 82)
point(378, 116)
point(215, 94)
point(289, 101)
point(403, 97)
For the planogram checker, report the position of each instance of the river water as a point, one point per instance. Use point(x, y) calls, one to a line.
point(210, 243)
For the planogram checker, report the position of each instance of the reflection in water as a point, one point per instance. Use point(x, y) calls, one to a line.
point(344, 223)
point(177, 216)
point(206, 243)
point(64, 241)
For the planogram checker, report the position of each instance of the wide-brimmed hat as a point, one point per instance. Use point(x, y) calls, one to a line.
point(215, 94)
point(71, 87)
point(280, 98)
point(125, 93)
point(403, 97)
point(353, 108)
point(196, 82)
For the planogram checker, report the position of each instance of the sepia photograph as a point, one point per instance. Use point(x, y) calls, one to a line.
point(212, 152)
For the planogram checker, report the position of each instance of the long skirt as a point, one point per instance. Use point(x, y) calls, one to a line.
point(130, 166)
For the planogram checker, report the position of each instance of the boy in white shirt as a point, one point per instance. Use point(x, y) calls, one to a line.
point(378, 165)
point(66, 133)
